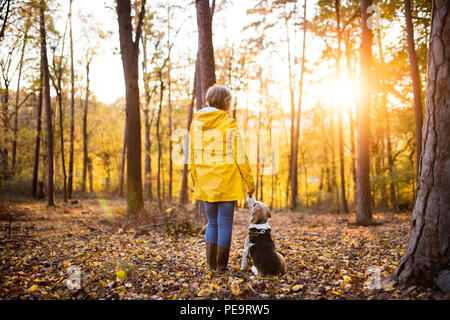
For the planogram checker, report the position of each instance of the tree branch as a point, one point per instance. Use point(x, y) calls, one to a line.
point(139, 25)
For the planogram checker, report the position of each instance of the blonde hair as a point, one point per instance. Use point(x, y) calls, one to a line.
point(219, 97)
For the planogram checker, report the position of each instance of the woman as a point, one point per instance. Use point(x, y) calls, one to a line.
point(220, 172)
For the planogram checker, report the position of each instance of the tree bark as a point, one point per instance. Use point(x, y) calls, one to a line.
point(363, 203)
point(428, 250)
point(158, 138)
point(294, 176)
point(169, 107)
point(130, 53)
point(37, 148)
point(205, 64)
point(85, 133)
point(387, 122)
point(184, 177)
point(17, 105)
point(48, 109)
point(205, 46)
point(415, 78)
point(72, 112)
point(340, 124)
point(123, 160)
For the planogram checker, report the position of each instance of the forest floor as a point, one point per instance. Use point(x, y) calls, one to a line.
point(162, 257)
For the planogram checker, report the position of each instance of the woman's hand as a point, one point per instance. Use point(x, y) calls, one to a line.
point(250, 192)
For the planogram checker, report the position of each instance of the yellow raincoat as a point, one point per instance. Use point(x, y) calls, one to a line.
point(219, 166)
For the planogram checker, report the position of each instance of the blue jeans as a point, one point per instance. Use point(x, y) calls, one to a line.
point(220, 222)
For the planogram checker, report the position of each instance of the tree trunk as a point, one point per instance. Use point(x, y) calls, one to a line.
point(148, 192)
point(363, 203)
point(85, 133)
point(205, 64)
point(169, 106)
point(333, 165)
point(72, 112)
point(61, 117)
point(16, 109)
point(294, 177)
point(130, 53)
point(340, 124)
point(351, 120)
point(428, 250)
point(205, 46)
point(48, 110)
point(122, 162)
point(63, 161)
point(158, 138)
point(387, 122)
point(415, 78)
point(184, 178)
point(37, 148)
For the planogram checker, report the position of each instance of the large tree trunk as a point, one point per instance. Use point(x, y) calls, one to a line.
point(205, 46)
point(72, 111)
point(130, 52)
point(48, 110)
point(415, 77)
point(363, 203)
point(428, 250)
point(205, 64)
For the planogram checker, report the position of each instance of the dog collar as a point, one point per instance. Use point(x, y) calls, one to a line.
point(259, 226)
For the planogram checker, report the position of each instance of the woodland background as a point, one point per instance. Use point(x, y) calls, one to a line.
point(87, 176)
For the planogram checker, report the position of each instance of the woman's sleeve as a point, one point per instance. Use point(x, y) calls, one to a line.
point(191, 154)
point(240, 157)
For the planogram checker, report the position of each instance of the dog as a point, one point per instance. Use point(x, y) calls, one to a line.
point(259, 243)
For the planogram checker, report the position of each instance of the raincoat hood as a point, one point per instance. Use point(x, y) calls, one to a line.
point(213, 119)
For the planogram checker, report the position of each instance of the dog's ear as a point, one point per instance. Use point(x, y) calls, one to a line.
point(269, 213)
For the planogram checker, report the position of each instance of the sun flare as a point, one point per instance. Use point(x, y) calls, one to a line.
point(342, 92)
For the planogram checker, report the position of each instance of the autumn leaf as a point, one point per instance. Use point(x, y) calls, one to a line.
point(204, 292)
point(297, 287)
point(235, 289)
point(32, 288)
point(121, 274)
point(388, 287)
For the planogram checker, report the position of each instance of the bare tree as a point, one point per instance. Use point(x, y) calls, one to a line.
point(129, 49)
point(18, 103)
point(363, 203)
point(37, 148)
point(415, 78)
point(72, 111)
point(294, 175)
point(48, 110)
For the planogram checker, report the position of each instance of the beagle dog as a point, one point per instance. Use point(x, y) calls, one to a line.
point(259, 243)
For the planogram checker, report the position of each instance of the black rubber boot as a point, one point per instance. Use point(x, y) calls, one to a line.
point(211, 256)
point(222, 259)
